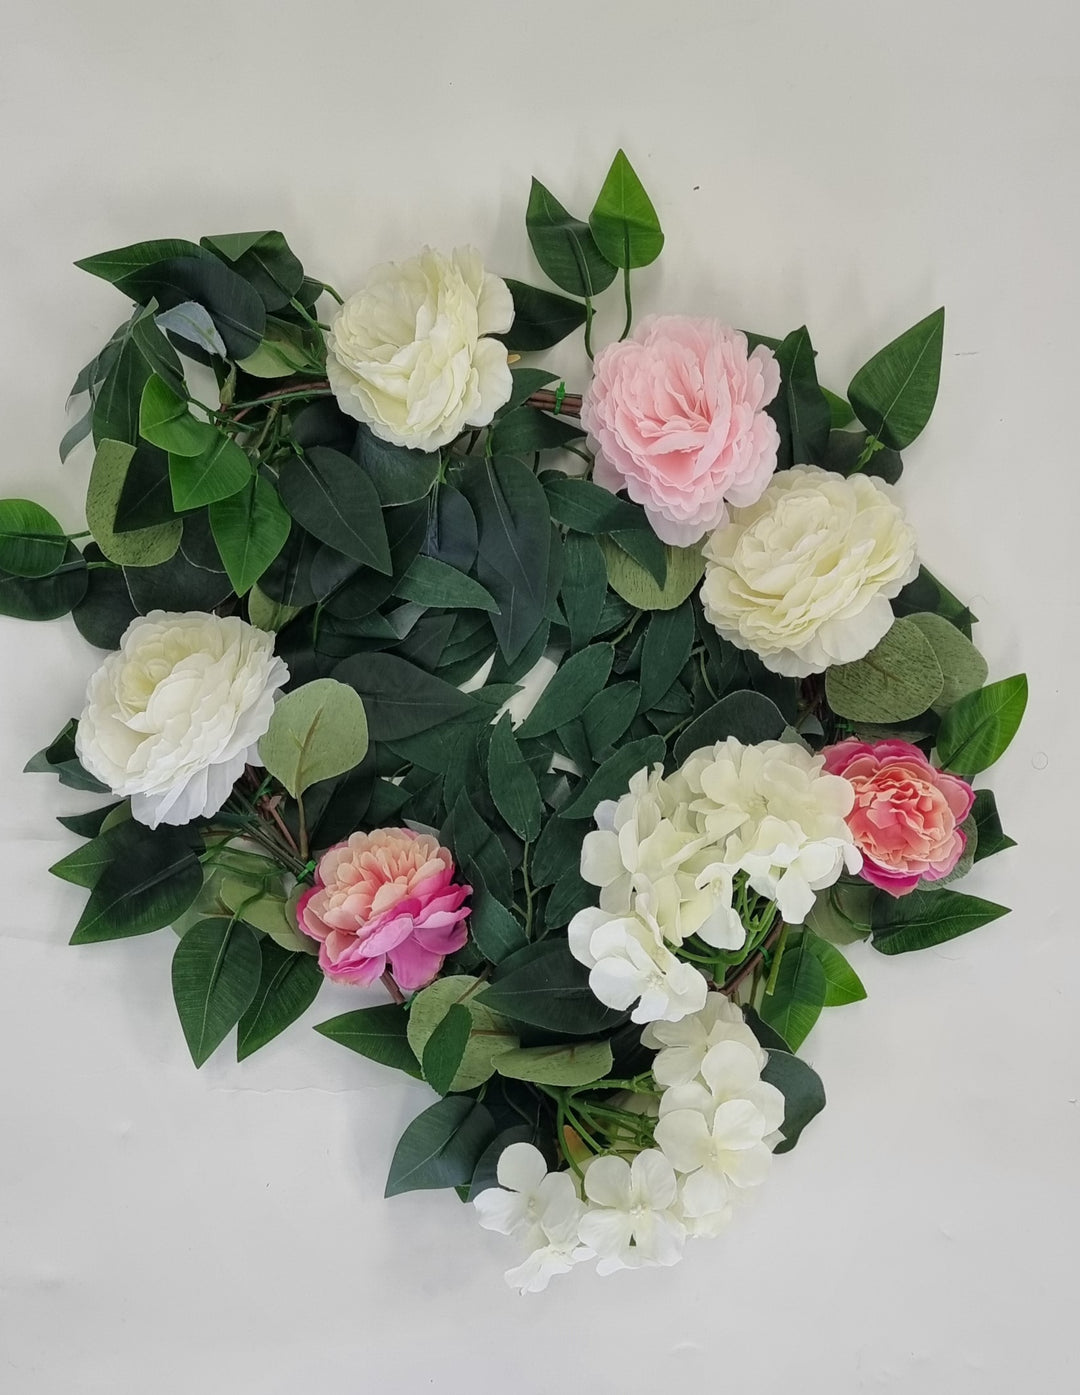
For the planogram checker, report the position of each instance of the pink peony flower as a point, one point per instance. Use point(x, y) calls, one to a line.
point(385, 896)
point(907, 814)
point(675, 415)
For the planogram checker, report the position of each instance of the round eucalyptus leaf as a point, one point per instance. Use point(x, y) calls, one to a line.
point(491, 1034)
point(897, 680)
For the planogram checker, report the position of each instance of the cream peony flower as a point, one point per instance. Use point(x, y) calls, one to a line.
point(803, 578)
point(174, 715)
point(407, 352)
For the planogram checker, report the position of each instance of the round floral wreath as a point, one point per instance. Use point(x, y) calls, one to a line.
point(606, 907)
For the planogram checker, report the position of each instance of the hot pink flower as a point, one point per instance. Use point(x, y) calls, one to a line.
point(385, 896)
point(676, 418)
point(907, 814)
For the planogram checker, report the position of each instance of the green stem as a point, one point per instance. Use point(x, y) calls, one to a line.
point(529, 890)
point(589, 312)
point(774, 968)
point(629, 304)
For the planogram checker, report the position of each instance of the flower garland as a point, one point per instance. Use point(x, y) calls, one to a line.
point(607, 908)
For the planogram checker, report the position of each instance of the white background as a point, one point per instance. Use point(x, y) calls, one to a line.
point(851, 165)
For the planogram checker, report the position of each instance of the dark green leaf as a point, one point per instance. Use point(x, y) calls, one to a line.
point(798, 996)
point(495, 930)
point(646, 549)
point(175, 585)
point(978, 729)
point(401, 699)
point(586, 508)
point(445, 1048)
point(400, 476)
point(379, 1033)
point(845, 455)
point(45, 597)
point(58, 758)
point(289, 983)
point(432, 583)
point(235, 307)
point(573, 686)
point(473, 843)
point(924, 918)
point(333, 498)
point(564, 246)
point(32, 543)
point(894, 393)
point(927, 593)
point(584, 586)
point(801, 406)
point(558, 846)
point(114, 266)
point(991, 837)
point(512, 783)
point(668, 640)
point(803, 1092)
point(265, 261)
point(215, 976)
point(608, 715)
point(541, 318)
point(551, 990)
point(526, 429)
point(613, 777)
point(842, 982)
point(441, 1147)
point(746, 715)
point(153, 878)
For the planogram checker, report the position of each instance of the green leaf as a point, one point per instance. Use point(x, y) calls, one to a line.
point(623, 220)
point(288, 984)
point(894, 393)
point(991, 836)
point(564, 246)
point(45, 597)
point(527, 429)
point(551, 990)
point(926, 593)
point(85, 865)
point(265, 261)
point(804, 416)
point(379, 1033)
point(978, 729)
point(495, 930)
point(798, 996)
point(234, 306)
point(250, 529)
point(333, 498)
point(584, 586)
point(608, 715)
point(401, 699)
point(400, 476)
point(446, 1047)
point(744, 714)
point(644, 547)
point(166, 421)
point(58, 758)
point(215, 976)
point(475, 844)
point(963, 668)
point(803, 1092)
point(579, 1064)
point(613, 777)
point(512, 782)
point(845, 455)
point(840, 414)
point(669, 638)
point(630, 580)
point(192, 322)
point(114, 266)
point(316, 732)
point(32, 543)
point(441, 1147)
point(541, 318)
point(106, 609)
point(267, 614)
point(222, 470)
point(153, 877)
point(145, 547)
point(515, 542)
point(843, 984)
point(898, 679)
point(558, 846)
point(572, 687)
point(433, 583)
point(924, 918)
point(586, 508)
point(488, 1035)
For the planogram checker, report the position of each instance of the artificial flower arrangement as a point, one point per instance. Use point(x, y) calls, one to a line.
point(325, 548)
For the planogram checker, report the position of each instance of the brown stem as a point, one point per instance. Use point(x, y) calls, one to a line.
point(743, 972)
point(319, 386)
point(392, 988)
point(269, 806)
point(546, 400)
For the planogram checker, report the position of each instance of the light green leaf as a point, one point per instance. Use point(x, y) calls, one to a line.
point(623, 220)
point(963, 668)
point(250, 529)
point(318, 731)
point(898, 679)
point(577, 1064)
point(490, 1034)
point(842, 983)
point(894, 393)
point(978, 729)
point(222, 470)
point(798, 996)
point(166, 421)
point(268, 614)
point(145, 547)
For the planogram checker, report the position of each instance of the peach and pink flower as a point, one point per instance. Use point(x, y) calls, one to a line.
point(386, 898)
point(676, 417)
point(907, 814)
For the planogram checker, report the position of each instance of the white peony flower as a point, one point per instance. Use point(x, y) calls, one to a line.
point(681, 1046)
point(803, 578)
point(632, 1219)
point(775, 814)
point(174, 715)
point(629, 963)
point(540, 1208)
point(408, 354)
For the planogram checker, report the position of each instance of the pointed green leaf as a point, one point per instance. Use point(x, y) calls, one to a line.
point(222, 470)
point(445, 1048)
point(379, 1033)
point(894, 393)
point(153, 877)
point(250, 529)
point(573, 686)
point(402, 700)
point(978, 729)
point(441, 1147)
point(803, 1092)
point(843, 984)
point(613, 777)
point(333, 498)
point(487, 1037)
point(166, 421)
point(433, 583)
point(541, 318)
point(288, 984)
point(623, 220)
point(215, 976)
point(669, 637)
point(991, 836)
point(564, 246)
point(924, 918)
point(512, 783)
point(798, 995)
point(801, 409)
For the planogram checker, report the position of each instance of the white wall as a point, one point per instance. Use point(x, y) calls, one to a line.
point(846, 163)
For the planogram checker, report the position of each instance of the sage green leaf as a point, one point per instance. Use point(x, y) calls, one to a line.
point(153, 877)
point(573, 686)
point(581, 1063)
point(798, 995)
point(145, 547)
point(549, 989)
point(564, 246)
point(267, 614)
point(333, 498)
point(750, 717)
point(894, 393)
point(630, 580)
point(586, 508)
point(842, 983)
point(613, 777)
point(541, 318)
point(623, 220)
point(192, 322)
point(379, 1033)
point(963, 668)
point(445, 1048)
point(45, 597)
point(512, 783)
point(898, 679)
point(924, 918)
point(288, 984)
point(215, 975)
point(166, 421)
point(644, 547)
point(669, 637)
point(488, 1036)
point(402, 700)
point(433, 583)
point(829, 922)
point(978, 729)
point(220, 471)
point(250, 529)
point(32, 543)
point(803, 1092)
point(281, 353)
point(991, 836)
point(317, 731)
point(441, 1147)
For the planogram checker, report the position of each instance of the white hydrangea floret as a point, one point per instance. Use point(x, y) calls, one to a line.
point(681, 1046)
point(632, 1219)
point(629, 963)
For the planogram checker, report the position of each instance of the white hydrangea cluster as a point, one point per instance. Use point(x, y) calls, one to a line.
point(666, 854)
point(718, 1124)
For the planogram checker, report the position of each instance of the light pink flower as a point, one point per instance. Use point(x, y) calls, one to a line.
point(675, 415)
point(907, 814)
point(385, 896)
